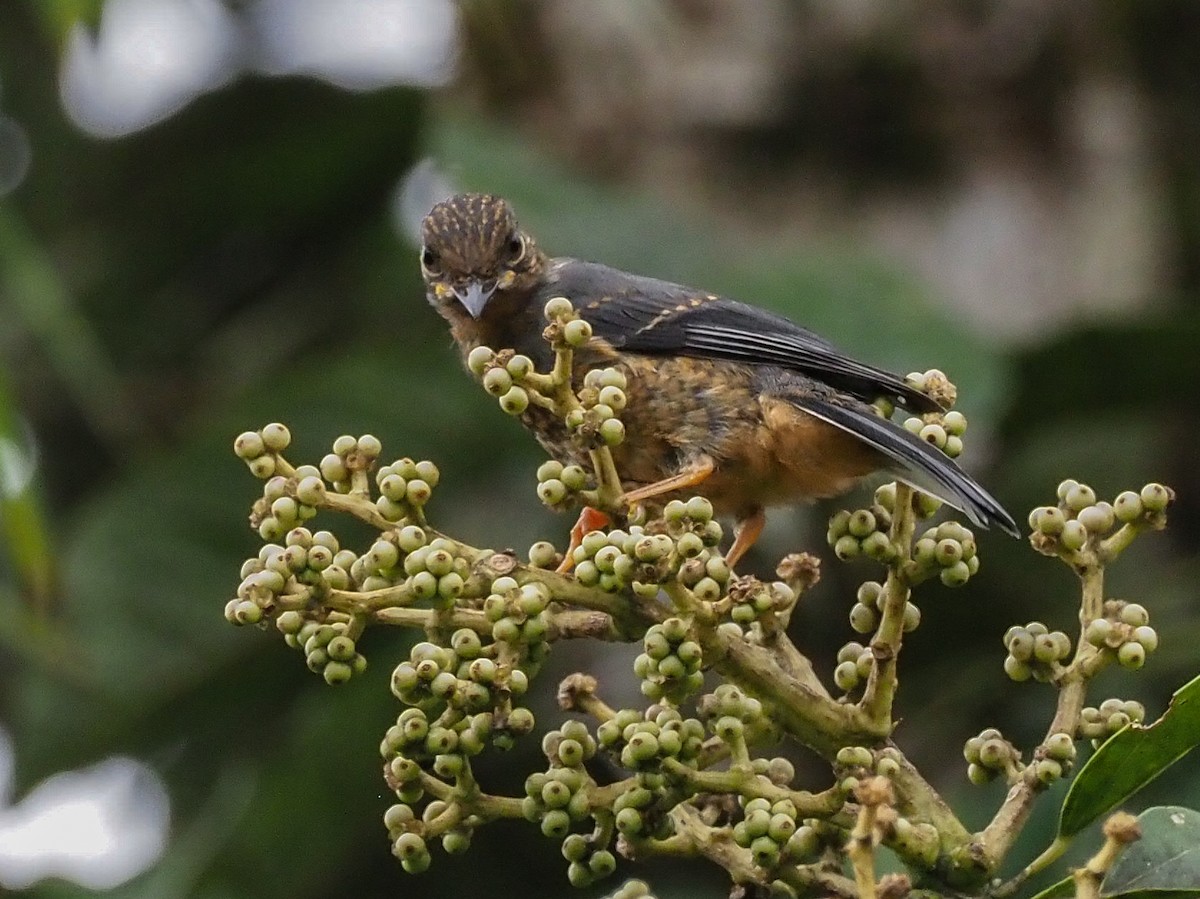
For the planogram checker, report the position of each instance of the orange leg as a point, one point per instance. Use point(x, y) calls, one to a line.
point(589, 520)
point(696, 473)
point(745, 534)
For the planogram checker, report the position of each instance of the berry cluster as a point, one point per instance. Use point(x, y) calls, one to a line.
point(990, 754)
point(350, 454)
point(644, 739)
point(854, 764)
point(669, 666)
point(405, 487)
point(556, 799)
point(601, 400)
point(729, 712)
point(624, 559)
point(1055, 758)
point(768, 828)
point(641, 561)
point(941, 429)
point(948, 550)
point(1080, 519)
point(1124, 630)
point(869, 600)
point(502, 375)
point(854, 663)
point(329, 647)
point(1099, 723)
point(752, 600)
point(560, 486)
point(520, 624)
point(260, 449)
point(863, 532)
point(427, 569)
point(1035, 651)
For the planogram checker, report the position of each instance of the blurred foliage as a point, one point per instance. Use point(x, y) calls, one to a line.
point(236, 265)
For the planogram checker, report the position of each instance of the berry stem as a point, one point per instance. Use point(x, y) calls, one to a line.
point(880, 691)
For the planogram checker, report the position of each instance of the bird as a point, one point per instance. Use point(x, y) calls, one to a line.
point(723, 398)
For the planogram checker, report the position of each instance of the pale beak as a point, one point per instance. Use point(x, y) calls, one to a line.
point(474, 296)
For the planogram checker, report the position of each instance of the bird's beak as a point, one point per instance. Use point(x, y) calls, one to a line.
point(474, 296)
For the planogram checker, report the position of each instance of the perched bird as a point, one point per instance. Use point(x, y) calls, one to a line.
point(724, 399)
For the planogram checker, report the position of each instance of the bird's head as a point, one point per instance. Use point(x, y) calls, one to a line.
point(473, 254)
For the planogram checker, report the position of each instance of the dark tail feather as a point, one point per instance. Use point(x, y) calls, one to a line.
point(914, 461)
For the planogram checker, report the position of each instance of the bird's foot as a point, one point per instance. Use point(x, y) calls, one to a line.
point(745, 535)
point(589, 520)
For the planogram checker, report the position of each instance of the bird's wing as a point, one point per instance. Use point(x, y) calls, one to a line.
point(646, 315)
point(912, 460)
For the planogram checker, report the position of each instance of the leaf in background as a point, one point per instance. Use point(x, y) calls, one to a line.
point(1166, 860)
point(1131, 759)
point(1065, 887)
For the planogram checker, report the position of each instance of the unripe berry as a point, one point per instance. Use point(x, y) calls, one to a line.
point(1131, 655)
point(578, 332)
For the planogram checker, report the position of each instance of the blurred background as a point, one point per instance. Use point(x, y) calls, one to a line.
point(206, 220)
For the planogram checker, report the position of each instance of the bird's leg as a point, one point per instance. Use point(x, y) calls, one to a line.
point(745, 534)
point(696, 473)
point(589, 520)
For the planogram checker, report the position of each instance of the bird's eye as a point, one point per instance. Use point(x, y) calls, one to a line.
point(516, 248)
point(429, 259)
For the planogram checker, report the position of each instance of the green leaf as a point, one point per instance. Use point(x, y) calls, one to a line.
point(1131, 759)
point(1165, 860)
point(1065, 887)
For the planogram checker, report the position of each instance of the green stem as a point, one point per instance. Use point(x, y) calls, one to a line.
point(880, 692)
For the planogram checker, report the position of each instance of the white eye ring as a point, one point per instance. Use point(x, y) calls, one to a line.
point(516, 248)
point(429, 260)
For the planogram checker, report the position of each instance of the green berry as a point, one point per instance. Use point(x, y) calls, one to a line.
point(956, 575)
point(612, 431)
point(1017, 669)
point(552, 491)
point(699, 509)
point(1098, 518)
point(276, 437)
point(1131, 655)
point(557, 308)
point(578, 332)
point(934, 434)
point(861, 523)
point(249, 446)
point(1049, 520)
point(1098, 631)
point(1060, 747)
point(479, 359)
point(1074, 535)
point(497, 382)
point(1134, 615)
point(1147, 637)
point(1066, 487)
point(1079, 497)
point(955, 423)
point(845, 675)
point(1048, 771)
point(1155, 497)
point(337, 673)
point(519, 366)
point(847, 548)
point(556, 824)
point(863, 619)
point(1128, 506)
point(515, 401)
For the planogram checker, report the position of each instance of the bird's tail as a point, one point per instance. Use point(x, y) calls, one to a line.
point(914, 461)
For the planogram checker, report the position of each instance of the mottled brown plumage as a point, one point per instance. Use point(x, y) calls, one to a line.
point(751, 406)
